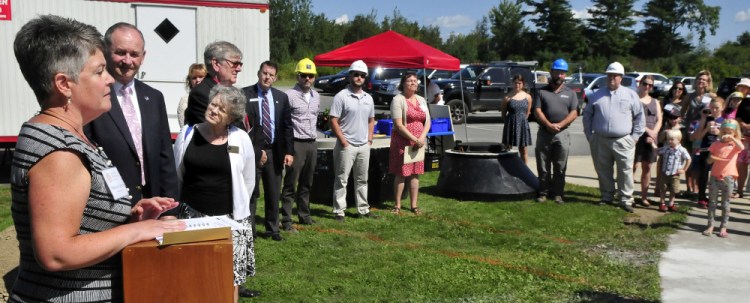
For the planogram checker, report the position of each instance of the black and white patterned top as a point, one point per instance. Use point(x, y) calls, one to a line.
point(97, 283)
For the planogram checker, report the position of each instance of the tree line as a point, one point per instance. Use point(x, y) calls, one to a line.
point(608, 35)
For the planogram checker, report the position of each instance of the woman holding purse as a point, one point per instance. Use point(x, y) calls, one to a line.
point(411, 122)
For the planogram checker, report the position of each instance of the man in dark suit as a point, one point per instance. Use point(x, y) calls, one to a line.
point(223, 61)
point(270, 127)
point(135, 132)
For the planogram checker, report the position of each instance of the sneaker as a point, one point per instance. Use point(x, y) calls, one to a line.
point(559, 200)
point(308, 221)
point(340, 219)
point(663, 208)
point(673, 208)
point(541, 199)
point(370, 215)
point(603, 203)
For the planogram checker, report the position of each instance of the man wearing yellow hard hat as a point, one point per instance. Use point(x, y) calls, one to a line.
point(298, 179)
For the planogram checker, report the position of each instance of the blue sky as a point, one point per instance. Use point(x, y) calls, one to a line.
point(462, 16)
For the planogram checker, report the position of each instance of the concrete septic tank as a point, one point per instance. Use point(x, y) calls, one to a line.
point(485, 171)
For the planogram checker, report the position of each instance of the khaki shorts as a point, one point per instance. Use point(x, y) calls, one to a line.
point(670, 183)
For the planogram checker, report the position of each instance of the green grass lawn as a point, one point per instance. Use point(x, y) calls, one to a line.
point(462, 252)
point(468, 252)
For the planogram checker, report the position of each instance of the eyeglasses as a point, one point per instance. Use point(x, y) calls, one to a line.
point(234, 64)
point(360, 75)
point(308, 76)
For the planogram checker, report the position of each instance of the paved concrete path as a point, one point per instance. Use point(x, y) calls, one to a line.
point(694, 268)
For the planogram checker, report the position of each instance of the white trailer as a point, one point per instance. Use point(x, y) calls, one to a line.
point(176, 33)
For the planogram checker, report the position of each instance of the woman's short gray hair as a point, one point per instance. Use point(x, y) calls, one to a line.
point(50, 44)
point(233, 99)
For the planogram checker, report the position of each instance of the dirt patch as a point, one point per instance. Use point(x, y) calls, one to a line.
point(9, 257)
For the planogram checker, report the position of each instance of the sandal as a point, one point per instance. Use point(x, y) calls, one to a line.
point(646, 202)
point(723, 233)
point(396, 211)
point(416, 211)
point(708, 232)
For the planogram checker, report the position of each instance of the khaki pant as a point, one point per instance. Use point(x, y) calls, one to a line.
point(614, 152)
point(356, 158)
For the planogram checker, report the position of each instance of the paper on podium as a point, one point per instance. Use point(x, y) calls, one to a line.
point(202, 229)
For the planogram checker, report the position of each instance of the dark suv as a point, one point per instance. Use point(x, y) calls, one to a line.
point(727, 86)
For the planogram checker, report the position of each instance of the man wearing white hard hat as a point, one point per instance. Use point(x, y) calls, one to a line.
point(352, 121)
point(612, 122)
point(298, 179)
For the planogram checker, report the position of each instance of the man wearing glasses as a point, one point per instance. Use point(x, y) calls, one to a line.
point(612, 122)
point(269, 124)
point(223, 61)
point(298, 179)
point(352, 121)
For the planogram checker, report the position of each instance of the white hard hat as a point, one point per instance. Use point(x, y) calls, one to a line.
point(615, 68)
point(358, 66)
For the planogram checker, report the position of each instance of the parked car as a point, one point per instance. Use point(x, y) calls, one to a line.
point(688, 81)
point(484, 86)
point(332, 83)
point(601, 82)
point(585, 78)
point(378, 78)
point(389, 88)
point(541, 77)
point(660, 82)
point(727, 86)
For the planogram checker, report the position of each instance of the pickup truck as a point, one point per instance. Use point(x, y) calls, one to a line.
point(485, 86)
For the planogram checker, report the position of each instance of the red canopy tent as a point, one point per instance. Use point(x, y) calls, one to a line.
point(389, 49)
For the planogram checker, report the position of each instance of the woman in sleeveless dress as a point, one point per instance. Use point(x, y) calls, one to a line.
point(515, 109)
point(411, 122)
point(645, 148)
point(71, 218)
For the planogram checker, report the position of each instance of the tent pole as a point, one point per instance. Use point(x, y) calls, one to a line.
point(466, 112)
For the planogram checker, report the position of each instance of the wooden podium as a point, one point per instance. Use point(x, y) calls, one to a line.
point(191, 272)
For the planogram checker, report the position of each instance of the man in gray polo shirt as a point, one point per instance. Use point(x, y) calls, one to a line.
point(555, 108)
point(612, 122)
point(352, 121)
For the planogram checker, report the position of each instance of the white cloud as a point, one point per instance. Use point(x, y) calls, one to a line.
point(742, 16)
point(452, 21)
point(343, 19)
point(582, 14)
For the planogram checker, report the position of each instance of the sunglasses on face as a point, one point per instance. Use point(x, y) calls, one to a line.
point(234, 64)
point(647, 84)
point(679, 88)
point(358, 75)
point(308, 76)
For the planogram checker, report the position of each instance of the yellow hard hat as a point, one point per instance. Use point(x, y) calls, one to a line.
point(305, 66)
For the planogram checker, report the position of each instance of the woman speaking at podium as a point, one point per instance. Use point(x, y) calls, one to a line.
point(70, 207)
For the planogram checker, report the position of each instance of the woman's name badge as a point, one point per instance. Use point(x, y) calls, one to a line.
point(233, 149)
point(115, 183)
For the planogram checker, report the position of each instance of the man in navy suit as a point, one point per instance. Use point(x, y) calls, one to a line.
point(270, 128)
point(135, 132)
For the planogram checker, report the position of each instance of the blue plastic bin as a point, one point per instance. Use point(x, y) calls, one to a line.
point(440, 125)
point(384, 126)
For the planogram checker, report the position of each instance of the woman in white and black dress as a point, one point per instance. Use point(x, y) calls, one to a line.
point(216, 172)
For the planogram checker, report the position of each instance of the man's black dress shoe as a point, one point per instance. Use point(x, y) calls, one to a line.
point(248, 293)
